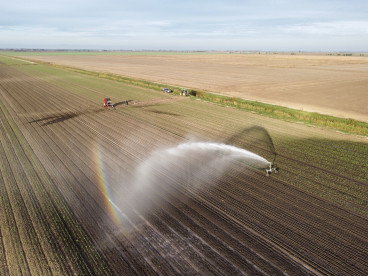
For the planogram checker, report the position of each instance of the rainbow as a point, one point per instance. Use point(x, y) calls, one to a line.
point(103, 183)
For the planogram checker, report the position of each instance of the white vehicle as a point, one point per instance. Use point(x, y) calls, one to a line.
point(167, 90)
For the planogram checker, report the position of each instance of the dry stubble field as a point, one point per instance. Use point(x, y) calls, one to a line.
point(334, 85)
point(63, 157)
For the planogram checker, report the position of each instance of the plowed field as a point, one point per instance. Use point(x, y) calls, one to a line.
point(67, 166)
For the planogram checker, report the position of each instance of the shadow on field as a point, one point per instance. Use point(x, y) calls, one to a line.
point(164, 113)
point(121, 103)
point(256, 136)
point(61, 117)
point(144, 105)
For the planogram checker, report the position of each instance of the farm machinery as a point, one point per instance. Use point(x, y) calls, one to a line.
point(184, 92)
point(272, 167)
point(107, 103)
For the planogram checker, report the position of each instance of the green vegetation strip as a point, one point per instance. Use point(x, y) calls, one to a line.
point(279, 112)
point(289, 114)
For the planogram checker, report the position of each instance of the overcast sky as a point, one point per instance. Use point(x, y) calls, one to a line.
point(285, 25)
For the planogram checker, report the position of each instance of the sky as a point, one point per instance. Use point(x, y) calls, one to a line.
point(260, 25)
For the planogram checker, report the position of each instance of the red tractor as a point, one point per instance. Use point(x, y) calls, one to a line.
point(107, 102)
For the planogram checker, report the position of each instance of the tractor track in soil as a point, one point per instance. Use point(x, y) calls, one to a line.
point(255, 231)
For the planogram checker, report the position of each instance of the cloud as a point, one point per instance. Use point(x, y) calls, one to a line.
point(173, 23)
point(331, 28)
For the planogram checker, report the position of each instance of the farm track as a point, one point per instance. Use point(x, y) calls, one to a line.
point(245, 223)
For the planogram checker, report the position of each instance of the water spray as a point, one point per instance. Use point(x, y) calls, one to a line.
point(190, 161)
point(227, 150)
point(191, 165)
